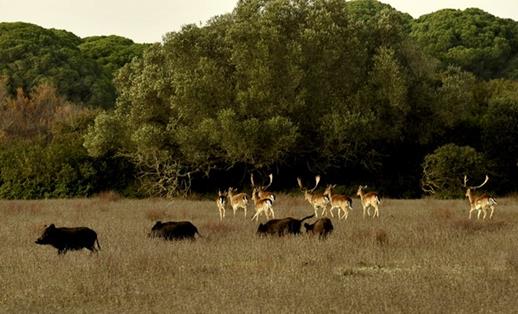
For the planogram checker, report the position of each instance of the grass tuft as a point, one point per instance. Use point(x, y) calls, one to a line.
point(475, 225)
point(108, 196)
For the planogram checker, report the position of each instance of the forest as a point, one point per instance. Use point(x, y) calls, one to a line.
point(354, 91)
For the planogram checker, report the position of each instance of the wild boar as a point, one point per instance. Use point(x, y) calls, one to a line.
point(174, 230)
point(323, 227)
point(282, 226)
point(65, 239)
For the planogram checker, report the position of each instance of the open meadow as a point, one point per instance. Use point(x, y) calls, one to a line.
point(421, 256)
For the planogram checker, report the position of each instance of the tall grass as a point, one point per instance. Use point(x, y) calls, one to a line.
point(420, 256)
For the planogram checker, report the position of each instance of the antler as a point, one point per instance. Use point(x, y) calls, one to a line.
point(478, 186)
point(485, 181)
point(252, 179)
point(317, 180)
point(271, 180)
point(300, 183)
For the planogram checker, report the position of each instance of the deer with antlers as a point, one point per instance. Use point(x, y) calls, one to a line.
point(317, 200)
point(262, 205)
point(221, 202)
point(262, 190)
point(481, 202)
point(340, 202)
point(368, 200)
point(237, 201)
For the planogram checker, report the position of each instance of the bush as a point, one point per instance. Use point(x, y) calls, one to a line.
point(445, 168)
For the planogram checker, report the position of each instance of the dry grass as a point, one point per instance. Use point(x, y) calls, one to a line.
point(420, 256)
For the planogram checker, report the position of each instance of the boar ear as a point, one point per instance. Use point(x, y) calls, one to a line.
point(52, 226)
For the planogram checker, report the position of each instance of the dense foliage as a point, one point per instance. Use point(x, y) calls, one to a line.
point(473, 39)
point(445, 168)
point(355, 91)
point(81, 70)
point(42, 153)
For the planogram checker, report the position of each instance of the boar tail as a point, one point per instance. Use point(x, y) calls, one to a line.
point(98, 245)
point(310, 216)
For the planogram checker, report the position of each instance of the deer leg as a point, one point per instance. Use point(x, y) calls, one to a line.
point(470, 211)
point(492, 210)
point(323, 212)
point(346, 214)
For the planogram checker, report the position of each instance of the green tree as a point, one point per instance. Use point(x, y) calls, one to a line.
point(445, 168)
point(81, 70)
point(475, 40)
point(301, 83)
point(111, 53)
point(500, 132)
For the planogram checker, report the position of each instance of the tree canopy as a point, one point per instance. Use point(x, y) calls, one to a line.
point(472, 39)
point(81, 70)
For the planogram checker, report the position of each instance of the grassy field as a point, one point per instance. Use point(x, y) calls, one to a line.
point(421, 256)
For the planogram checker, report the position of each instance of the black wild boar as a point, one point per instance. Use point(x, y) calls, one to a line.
point(65, 239)
point(282, 226)
point(174, 230)
point(323, 227)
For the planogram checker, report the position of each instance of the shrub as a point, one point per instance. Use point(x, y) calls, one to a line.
point(445, 168)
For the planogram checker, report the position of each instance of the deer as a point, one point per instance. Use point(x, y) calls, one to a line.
point(221, 202)
point(368, 200)
point(237, 201)
point(341, 202)
point(262, 190)
point(481, 202)
point(262, 205)
point(317, 200)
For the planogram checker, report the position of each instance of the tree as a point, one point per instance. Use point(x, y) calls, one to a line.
point(500, 131)
point(472, 39)
point(232, 93)
point(31, 55)
point(445, 168)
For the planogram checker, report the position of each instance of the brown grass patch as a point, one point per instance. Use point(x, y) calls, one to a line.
point(16, 208)
point(217, 227)
point(472, 225)
point(108, 196)
point(443, 213)
point(375, 235)
point(154, 214)
point(512, 261)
